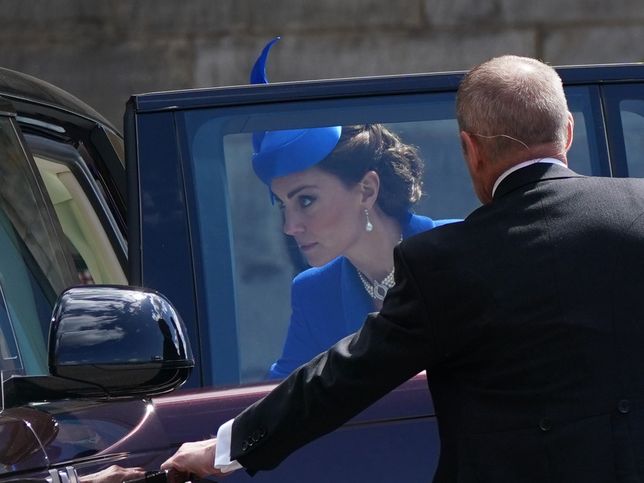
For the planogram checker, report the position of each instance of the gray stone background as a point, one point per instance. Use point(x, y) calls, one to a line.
point(103, 51)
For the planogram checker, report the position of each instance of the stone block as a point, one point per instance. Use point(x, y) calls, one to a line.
point(557, 12)
point(334, 15)
point(594, 45)
point(463, 13)
point(122, 19)
point(469, 13)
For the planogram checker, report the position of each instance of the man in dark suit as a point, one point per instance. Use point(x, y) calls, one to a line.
point(527, 316)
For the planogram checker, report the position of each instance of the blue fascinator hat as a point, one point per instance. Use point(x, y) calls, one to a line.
point(283, 152)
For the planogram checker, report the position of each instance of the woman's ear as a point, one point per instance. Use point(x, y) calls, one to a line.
point(369, 187)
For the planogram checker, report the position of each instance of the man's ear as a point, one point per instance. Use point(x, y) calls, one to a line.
point(477, 165)
point(369, 188)
point(570, 128)
point(471, 151)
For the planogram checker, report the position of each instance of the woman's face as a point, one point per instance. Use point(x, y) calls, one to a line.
point(324, 216)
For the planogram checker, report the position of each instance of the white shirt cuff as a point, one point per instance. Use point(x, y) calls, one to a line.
point(222, 452)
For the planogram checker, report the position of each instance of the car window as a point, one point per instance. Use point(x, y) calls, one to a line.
point(632, 116)
point(78, 201)
point(587, 154)
point(244, 224)
point(34, 265)
point(624, 106)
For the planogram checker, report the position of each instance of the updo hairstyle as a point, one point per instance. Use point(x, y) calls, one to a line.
point(368, 147)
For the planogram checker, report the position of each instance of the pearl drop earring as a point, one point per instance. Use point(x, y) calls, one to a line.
point(368, 226)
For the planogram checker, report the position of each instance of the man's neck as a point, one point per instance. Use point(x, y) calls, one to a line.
point(523, 164)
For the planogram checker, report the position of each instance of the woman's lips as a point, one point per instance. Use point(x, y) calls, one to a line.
point(307, 246)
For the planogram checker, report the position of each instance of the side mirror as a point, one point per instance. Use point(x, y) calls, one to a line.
point(123, 341)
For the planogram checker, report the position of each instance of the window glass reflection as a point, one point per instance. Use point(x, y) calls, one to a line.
point(34, 265)
point(236, 217)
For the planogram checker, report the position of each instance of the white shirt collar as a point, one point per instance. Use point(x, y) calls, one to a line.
point(516, 167)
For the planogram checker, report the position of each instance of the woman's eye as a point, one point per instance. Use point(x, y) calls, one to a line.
point(306, 201)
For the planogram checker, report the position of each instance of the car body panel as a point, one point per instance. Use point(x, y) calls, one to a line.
point(365, 449)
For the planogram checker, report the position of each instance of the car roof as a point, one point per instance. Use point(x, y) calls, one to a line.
point(362, 86)
point(17, 86)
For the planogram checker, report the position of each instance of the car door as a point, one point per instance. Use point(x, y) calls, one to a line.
point(199, 213)
point(42, 436)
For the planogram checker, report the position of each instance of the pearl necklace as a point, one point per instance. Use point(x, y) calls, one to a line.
point(377, 290)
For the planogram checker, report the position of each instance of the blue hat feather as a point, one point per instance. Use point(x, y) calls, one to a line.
point(258, 73)
point(258, 76)
point(283, 152)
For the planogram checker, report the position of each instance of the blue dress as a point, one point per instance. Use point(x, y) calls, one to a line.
point(328, 303)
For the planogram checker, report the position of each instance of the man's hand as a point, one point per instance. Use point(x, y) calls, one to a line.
point(196, 458)
point(114, 474)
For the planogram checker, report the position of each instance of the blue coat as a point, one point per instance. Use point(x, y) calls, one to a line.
point(328, 303)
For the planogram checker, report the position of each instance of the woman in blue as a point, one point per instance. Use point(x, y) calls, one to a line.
point(346, 194)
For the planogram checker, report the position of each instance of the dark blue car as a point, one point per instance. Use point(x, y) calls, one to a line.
point(185, 215)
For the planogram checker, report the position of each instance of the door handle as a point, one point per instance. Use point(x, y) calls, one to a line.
point(67, 475)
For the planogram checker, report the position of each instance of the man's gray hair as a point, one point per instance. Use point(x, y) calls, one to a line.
point(513, 102)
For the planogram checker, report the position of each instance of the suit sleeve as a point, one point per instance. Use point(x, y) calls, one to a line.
point(391, 347)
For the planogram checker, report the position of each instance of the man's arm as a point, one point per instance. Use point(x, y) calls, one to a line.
point(391, 347)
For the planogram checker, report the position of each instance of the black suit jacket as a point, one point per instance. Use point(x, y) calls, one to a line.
point(528, 318)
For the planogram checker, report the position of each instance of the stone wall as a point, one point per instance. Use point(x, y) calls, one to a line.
point(103, 51)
